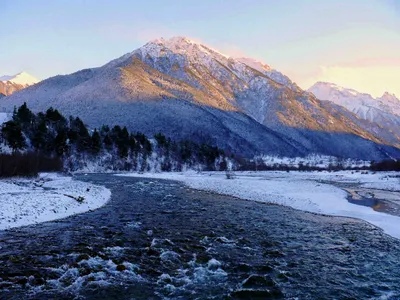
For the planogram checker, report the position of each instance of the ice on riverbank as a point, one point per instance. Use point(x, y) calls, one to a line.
point(48, 197)
point(300, 190)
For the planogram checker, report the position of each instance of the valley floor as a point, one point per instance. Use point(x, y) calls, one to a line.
point(374, 198)
point(48, 197)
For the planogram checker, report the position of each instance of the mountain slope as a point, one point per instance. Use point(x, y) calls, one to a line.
point(11, 84)
point(186, 89)
point(383, 112)
point(362, 104)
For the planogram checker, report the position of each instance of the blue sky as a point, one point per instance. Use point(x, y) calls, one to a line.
point(353, 43)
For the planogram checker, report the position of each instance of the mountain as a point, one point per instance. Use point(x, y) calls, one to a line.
point(383, 111)
point(22, 78)
point(11, 84)
point(362, 104)
point(188, 90)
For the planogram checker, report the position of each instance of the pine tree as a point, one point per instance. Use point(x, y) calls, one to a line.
point(24, 115)
point(12, 134)
point(56, 119)
point(38, 139)
point(79, 135)
point(108, 143)
point(96, 142)
point(60, 142)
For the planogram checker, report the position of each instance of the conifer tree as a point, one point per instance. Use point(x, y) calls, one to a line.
point(96, 142)
point(60, 142)
point(12, 134)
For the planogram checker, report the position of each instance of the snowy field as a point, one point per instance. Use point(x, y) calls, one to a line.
point(48, 197)
point(300, 190)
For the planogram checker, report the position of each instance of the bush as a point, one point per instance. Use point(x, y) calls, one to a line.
point(386, 165)
point(29, 164)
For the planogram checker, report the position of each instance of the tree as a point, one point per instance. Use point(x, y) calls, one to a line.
point(96, 142)
point(12, 134)
point(79, 135)
point(56, 119)
point(108, 143)
point(160, 139)
point(60, 142)
point(122, 140)
point(39, 136)
point(25, 118)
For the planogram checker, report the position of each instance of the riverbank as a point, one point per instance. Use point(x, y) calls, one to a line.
point(48, 197)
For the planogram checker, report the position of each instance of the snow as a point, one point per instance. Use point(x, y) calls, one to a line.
point(270, 72)
point(46, 198)
point(22, 78)
point(4, 117)
point(196, 80)
point(311, 160)
point(299, 190)
point(255, 64)
point(357, 102)
point(180, 44)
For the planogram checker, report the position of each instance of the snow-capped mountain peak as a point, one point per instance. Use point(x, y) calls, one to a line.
point(255, 64)
point(174, 41)
point(186, 89)
point(331, 91)
point(22, 78)
point(182, 45)
point(388, 97)
point(362, 104)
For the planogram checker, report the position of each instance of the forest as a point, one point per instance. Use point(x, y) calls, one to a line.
point(48, 141)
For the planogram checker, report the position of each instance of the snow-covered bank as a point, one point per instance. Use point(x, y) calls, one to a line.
point(296, 189)
point(49, 197)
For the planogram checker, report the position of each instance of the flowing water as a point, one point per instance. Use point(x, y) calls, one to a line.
point(158, 239)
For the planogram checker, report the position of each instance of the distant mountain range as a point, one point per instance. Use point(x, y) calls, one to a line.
point(11, 84)
point(188, 90)
point(384, 111)
point(362, 104)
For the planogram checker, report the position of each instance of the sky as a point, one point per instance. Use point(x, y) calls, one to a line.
point(353, 43)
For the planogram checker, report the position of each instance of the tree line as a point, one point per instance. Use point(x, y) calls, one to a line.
point(49, 134)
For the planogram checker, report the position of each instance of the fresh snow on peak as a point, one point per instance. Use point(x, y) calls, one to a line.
point(362, 104)
point(329, 90)
point(255, 64)
point(176, 40)
point(182, 45)
point(22, 78)
point(388, 97)
point(186, 50)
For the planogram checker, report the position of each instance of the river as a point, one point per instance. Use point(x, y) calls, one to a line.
point(158, 239)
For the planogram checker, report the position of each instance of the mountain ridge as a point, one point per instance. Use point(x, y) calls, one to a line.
point(184, 88)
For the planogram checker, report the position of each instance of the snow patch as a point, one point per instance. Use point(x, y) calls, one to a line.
point(46, 198)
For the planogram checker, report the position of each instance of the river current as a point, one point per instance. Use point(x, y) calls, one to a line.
point(158, 239)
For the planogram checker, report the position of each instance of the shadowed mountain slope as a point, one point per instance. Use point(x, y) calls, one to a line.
point(188, 90)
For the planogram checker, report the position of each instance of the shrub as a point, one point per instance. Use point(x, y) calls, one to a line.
point(29, 164)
